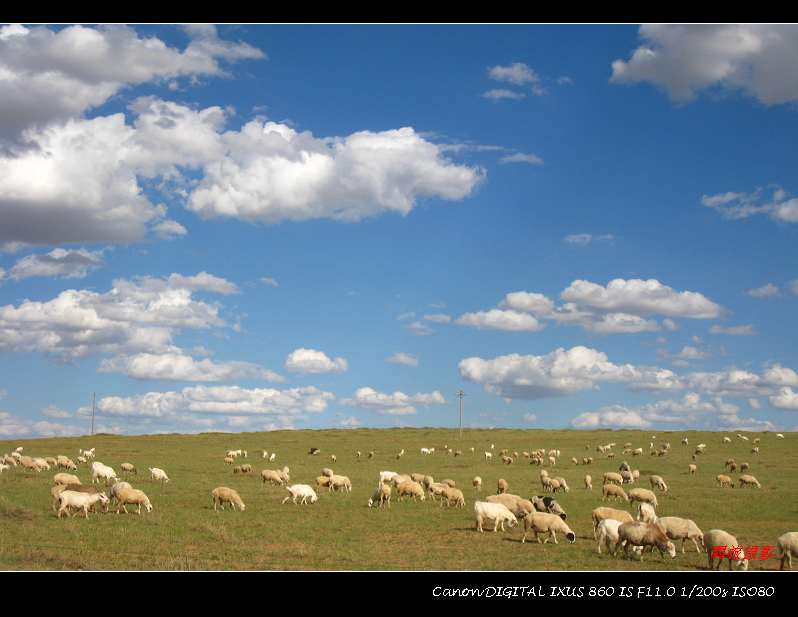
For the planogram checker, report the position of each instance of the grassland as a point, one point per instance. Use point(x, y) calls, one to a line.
point(340, 532)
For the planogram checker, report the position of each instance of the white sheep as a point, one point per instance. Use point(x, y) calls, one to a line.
point(602, 513)
point(381, 495)
point(588, 482)
point(488, 456)
point(543, 522)
point(272, 456)
point(340, 482)
point(158, 474)
point(779, 436)
point(222, 495)
point(302, 491)
point(102, 472)
point(646, 512)
point(497, 512)
point(788, 548)
point(477, 483)
point(719, 538)
point(643, 494)
point(133, 496)
point(79, 501)
point(749, 480)
point(658, 483)
point(643, 535)
point(387, 476)
point(607, 532)
point(682, 529)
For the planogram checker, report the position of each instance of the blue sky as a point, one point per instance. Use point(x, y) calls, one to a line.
point(263, 227)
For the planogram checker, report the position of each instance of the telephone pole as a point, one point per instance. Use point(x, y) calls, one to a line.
point(460, 395)
point(93, 395)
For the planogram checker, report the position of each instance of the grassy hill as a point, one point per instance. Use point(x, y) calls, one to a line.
point(340, 532)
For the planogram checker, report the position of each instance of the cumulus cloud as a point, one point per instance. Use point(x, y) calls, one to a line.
point(560, 373)
point(498, 94)
point(497, 319)
point(396, 404)
point(746, 330)
point(614, 416)
point(15, 426)
point(312, 361)
point(140, 316)
point(272, 173)
point(58, 263)
point(518, 74)
point(419, 328)
point(785, 398)
point(766, 291)
point(736, 206)
point(402, 358)
point(685, 59)
point(349, 422)
point(179, 366)
point(49, 76)
point(51, 411)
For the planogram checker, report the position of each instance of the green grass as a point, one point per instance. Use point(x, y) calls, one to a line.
point(340, 532)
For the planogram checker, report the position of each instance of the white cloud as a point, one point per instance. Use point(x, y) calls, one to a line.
point(396, 404)
point(754, 403)
point(639, 297)
point(615, 416)
point(406, 316)
point(48, 76)
point(518, 74)
point(179, 366)
point(168, 230)
point(271, 282)
point(689, 352)
point(349, 422)
point(560, 373)
point(311, 361)
point(227, 400)
point(419, 328)
point(785, 398)
point(497, 319)
point(529, 159)
point(794, 287)
point(438, 318)
point(403, 358)
point(766, 291)
point(731, 382)
point(780, 376)
point(498, 94)
point(685, 59)
point(746, 330)
point(271, 173)
point(133, 317)
point(530, 417)
point(670, 325)
point(736, 206)
point(51, 411)
point(585, 239)
point(58, 263)
point(15, 426)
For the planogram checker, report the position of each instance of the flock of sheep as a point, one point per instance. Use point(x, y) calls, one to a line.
point(541, 515)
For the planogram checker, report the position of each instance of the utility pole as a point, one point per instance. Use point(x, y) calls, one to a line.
point(460, 395)
point(93, 395)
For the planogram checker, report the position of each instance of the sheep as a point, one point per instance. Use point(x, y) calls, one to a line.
point(387, 476)
point(552, 461)
point(607, 532)
point(643, 495)
point(588, 482)
point(613, 491)
point(733, 467)
point(574, 460)
point(118, 486)
point(56, 490)
point(100, 471)
point(779, 436)
point(555, 485)
point(682, 529)
point(514, 503)
point(358, 454)
point(134, 496)
point(129, 468)
point(314, 451)
point(484, 510)
point(546, 483)
point(628, 478)
point(3, 467)
point(80, 501)
point(563, 483)
point(548, 504)
point(237, 469)
point(755, 450)
point(450, 483)
point(159, 475)
point(399, 478)
point(644, 534)
point(82, 459)
point(488, 456)
point(502, 486)
point(625, 467)
point(749, 480)
point(323, 482)
point(692, 468)
point(272, 476)
point(272, 456)
point(264, 454)
point(66, 478)
point(334, 458)
point(222, 495)
point(637, 452)
point(719, 538)
point(436, 489)
point(301, 490)
point(418, 477)
point(646, 513)
point(453, 496)
point(381, 495)
point(327, 472)
point(726, 440)
point(744, 467)
point(477, 483)
point(611, 477)
point(724, 480)
point(371, 455)
point(428, 481)
point(51, 461)
point(507, 460)
point(245, 468)
point(788, 548)
point(413, 489)
point(229, 460)
point(340, 482)
point(543, 522)
point(232, 453)
point(685, 441)
point(658, 483)
point(426, 451)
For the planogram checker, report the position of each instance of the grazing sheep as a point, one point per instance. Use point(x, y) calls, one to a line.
point(418, 477)
point(484, 510)
point(548, 504)
point(588, 482)
point(387, 476)
point(645, 534)
point(555, 485)
point(381, 495)
point(413, 489)
point(543, 522)
point(611, 477)
point(779, 436)
point(563, 483)
point(371, 454)
point(314, 451)
point(301, 490)
point(129, 468)
point(327, 472)
point(102, 472)
point(399, 478)
point(643, 495)
point(323, 482)
point(56, 490)
point(237, 469)
point(488, 456)
point(607, 532)
point(118, 487)
point(358, 454)
point(682, 529)
point(80, 501)
point(453, 496)
point(613, 491)
point(66, 478)
point(658, 483)
point(725, 481)
point(222, 495)
point(245, 468)
point(334, 458)
point(628, 477)
point(3, 467)
point(502, 486)
point(82, 459)
point(450, 483)
point(546, 483)
point(132, 496)
point(601, 513)
point(637, 452)
point(788, 548)
point(507, 460)
point(749, 480)
point(625, 467)
point(427, 481)
point(646, 513)
point(684, 441)
point(692, 468)
point(436, 489)
point(272, 456)
point(744, 467)
point(159, 475)
point(264, 454)
point(733, 467)
point(720, 538)
point(477, 483)
point(514, 503)
point(229, 460)
point(340, 482)
point(574, 460)
point(755, 450)
point(272, 476)
point(726, 440)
